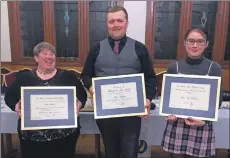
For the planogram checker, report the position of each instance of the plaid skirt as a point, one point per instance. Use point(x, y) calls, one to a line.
point(179, 138)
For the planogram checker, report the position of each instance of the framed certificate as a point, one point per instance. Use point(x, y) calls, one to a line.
point(119, 96)
point(190, 96)
point(48, 107)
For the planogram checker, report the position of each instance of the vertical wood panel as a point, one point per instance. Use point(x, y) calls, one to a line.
point(15, 32)
point(185, 24)
point(221, 28)
point(150, 27)
point(49, 22)
point(83, 28)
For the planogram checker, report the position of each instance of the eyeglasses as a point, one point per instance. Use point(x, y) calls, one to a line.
point(199, 42)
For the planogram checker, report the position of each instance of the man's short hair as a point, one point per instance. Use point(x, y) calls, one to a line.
point(117, 9)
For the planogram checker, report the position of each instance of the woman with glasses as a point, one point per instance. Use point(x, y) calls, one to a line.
point(50, 143)
point(191, 137)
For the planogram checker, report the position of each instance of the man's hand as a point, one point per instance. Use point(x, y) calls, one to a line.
point(18, 108)
point(91, 90)
point(147, 106)
point(78, 106)
point(194, 122)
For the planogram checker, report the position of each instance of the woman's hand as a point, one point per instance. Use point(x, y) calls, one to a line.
point(18, 108)
point(171, 118)
point(194, 122)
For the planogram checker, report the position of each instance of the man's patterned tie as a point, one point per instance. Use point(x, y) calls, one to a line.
point(116, 47)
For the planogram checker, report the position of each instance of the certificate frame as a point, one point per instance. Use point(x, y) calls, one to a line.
point(210, 114)
point(29, 123)
point(138, 110)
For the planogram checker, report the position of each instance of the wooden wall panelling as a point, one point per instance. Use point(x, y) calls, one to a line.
point(185, 24)
point(150, 21)
point(49, 23)
point(15, 32)
point(83, 26)
point(221, 28)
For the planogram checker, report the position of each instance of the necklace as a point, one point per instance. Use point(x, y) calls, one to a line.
point(44, 73)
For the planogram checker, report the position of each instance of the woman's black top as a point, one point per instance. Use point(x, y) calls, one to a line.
point(30, 78)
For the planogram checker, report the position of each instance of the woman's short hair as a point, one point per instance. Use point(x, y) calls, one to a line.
point(42, 46)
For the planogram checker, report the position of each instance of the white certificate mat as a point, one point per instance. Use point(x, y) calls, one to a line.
point(190, 96)
point(50, 107)
point(119, 96)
